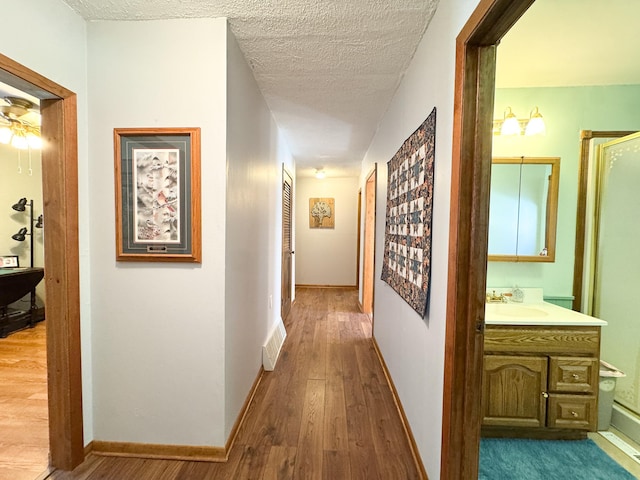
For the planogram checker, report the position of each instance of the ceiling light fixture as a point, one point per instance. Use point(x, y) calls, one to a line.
point(320, 174)
point(510, 124)
point(18, 133)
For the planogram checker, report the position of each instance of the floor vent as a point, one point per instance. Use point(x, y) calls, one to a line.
point(622, 445)
point(271, 349)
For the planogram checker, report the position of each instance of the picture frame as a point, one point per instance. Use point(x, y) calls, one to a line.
point(322, 213)
point(157, 192)
point(9, 261)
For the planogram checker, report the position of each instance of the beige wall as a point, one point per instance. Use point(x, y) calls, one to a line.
point(327, 256)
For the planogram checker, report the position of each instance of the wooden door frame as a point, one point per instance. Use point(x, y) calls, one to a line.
point(468, 230)
point(62, 306)
point(372, 173)
point(286, 175)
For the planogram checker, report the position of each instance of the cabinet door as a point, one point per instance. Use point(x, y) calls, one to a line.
point(512, 390)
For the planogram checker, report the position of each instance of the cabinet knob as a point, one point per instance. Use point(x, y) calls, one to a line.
point(575, 376)
point(545, 394)
point(574, 414)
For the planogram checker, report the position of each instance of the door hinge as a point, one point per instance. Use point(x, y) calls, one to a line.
point(480, 325)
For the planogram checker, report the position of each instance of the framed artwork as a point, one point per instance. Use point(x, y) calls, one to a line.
point(157, 176)
point(9, 261)
point(407, 241)
point(322, 213)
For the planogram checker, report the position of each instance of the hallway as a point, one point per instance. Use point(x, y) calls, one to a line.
point(326, 412)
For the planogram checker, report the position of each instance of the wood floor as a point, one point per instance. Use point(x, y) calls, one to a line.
point(326, 412)
point(24, 424)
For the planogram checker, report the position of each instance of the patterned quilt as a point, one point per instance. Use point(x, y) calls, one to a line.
point(407, 245)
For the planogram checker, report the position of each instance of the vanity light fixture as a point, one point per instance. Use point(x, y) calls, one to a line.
point(536, 125)
point(510, 124)
point(320, 174)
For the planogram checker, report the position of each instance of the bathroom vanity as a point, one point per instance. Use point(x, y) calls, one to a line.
point(541, 371)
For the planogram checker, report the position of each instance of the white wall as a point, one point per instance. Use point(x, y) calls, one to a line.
point(159, 352)
point(255, 155)
point(57, 50)
point(327, 256)
point(413, 348)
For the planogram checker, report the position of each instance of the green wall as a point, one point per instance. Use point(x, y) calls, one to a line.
point(566, 111)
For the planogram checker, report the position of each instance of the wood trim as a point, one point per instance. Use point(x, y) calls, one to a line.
point(468, 229)
point(581, 210)
point(369, 247)
point(60, 199)
point(62, 281)
point(403, 418)
point(300, 285)
point(179, 452)
point(358, 238)
point(159, 452)
point(243, 412)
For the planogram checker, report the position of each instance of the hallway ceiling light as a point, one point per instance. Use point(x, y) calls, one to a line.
point(512, 125)
point(320, 174)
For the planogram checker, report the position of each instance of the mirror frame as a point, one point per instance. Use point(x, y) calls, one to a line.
point(552, 209)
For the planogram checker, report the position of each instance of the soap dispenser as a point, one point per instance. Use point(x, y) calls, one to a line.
point(517, 295)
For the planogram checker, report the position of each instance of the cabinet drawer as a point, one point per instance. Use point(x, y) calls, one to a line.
point(572, 411)
point(573, 375)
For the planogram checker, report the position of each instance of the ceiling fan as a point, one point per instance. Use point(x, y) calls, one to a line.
point(17, 107)
point(20, 123)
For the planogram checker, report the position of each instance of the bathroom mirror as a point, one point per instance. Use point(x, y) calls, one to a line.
point(523, 209)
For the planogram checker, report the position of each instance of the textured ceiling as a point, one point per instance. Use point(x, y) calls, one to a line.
point(327, 68)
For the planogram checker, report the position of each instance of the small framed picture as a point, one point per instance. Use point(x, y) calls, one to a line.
point(157, 194)
point(322, 213)
point(9, 261)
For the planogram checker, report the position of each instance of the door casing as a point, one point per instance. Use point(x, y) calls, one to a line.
point(468, 230)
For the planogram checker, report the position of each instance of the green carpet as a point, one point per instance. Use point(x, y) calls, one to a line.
point(515, 459)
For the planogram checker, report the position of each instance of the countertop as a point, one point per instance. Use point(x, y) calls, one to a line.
point(536, 313)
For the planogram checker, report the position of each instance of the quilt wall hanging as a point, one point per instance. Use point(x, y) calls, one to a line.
point(407, 242)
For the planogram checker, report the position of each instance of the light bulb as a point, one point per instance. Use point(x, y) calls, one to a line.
point(34, 141)
point(510, 126)
point(20, 142)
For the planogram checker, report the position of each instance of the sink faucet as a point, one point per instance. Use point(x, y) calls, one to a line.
point(496, 298)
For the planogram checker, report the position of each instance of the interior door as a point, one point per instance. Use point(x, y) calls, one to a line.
point(368, 263)
point(617, 262)
point(287, 252)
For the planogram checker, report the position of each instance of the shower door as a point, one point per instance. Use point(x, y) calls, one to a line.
point(616, 295)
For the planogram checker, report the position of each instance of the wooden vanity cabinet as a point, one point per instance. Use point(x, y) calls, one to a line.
point(540, 381)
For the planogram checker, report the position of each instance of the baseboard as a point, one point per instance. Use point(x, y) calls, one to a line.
point(360, 307)
point(405, 423)
point(192, 453)
point(243, 412)
point(160, 452)
point(301, 285)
